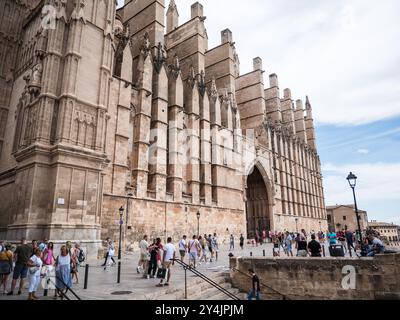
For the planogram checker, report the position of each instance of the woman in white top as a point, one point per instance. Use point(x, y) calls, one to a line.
point(110, 254)
point(35, 266)
point(63, 272)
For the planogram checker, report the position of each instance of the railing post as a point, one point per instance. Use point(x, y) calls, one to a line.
point(119, 272)
point(323, 250)
point(185, 283)
point(351, 255)
point(86, 276)
point(251, 254)
point(264, 253)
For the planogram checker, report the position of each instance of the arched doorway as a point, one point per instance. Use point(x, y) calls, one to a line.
point(257, 205)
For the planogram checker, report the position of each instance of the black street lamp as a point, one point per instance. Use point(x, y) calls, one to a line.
point(198, 223)
point(297, 229)
point(121, 213)
point(352, 179)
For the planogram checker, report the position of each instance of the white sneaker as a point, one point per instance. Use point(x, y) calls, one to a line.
point(148, 277)
point(138, 269)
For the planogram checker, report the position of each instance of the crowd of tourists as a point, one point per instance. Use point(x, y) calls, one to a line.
point(156, 259)
point(39, 263)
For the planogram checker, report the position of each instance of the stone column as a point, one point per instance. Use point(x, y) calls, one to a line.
point(205, 142)
point(143, 118)
point(159, 126)
point(193, 131)
point(175, 131)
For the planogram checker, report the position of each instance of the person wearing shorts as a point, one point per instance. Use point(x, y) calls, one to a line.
point(167, 261)
point(182, 247)
point(23, 253)
point(194, 249)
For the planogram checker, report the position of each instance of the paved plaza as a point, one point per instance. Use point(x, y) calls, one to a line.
point(102, 285)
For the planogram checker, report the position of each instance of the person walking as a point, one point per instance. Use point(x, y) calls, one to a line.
point(203, 244)
point(182, 247)
point(314, 247)
point(288, 244)
point(241, 241)
point(350, 240)
point(35, 267)
point(276, 248)
point(108, 244)
point(144, 255)
point(74, 252)
point(63, 272)
point(194, 250)
point(231, 243)
point(255, 281)
point(215, 247)
point(209, 243)
point(21, 256)
point(110, 254)
point(6, 265)
point(167, 261)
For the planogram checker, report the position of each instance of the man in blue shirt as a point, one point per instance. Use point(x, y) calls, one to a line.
point(332, 238)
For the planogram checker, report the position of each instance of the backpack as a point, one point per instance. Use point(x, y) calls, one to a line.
point(81, 256)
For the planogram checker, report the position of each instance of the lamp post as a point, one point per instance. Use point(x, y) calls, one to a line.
point(198, 222)
point(121, 212)
point(297, 229)
point(352, 179)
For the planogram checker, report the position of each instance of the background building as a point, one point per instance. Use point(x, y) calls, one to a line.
point(389, 232)
point(110, 108)
point(343, 216)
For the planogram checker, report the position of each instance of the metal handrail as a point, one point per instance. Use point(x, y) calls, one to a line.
point(68, 288)
point(284, 296)
point(205, 278)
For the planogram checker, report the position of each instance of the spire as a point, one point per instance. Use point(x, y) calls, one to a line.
point(172, 16)
point(308, 108)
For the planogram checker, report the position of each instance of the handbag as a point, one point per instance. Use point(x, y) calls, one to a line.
point(33, 270)
point(162, 273)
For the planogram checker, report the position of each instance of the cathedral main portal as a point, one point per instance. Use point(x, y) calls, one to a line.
point(257, 205)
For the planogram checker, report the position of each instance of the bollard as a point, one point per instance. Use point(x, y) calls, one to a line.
point(323, 250)
point(86, 276)
point(264, 253)
point(185, 284)
point(119, 272)
point(251, 254)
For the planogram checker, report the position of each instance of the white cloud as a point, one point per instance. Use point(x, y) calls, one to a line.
point(376, 182)
point(344, 54)
point(363, 151)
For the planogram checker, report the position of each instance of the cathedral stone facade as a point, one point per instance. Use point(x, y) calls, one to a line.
point(103, 108)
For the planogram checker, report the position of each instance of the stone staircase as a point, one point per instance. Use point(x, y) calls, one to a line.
point(198, 289)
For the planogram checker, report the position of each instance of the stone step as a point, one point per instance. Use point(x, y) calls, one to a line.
point(209, 292)
point(176, 293)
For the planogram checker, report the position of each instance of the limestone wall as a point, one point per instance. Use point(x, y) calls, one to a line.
point(322, 278)
point(160, 219)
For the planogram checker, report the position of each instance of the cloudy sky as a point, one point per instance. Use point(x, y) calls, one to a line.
point(344, 54)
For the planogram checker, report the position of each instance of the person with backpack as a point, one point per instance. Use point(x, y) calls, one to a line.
point(6, 265)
